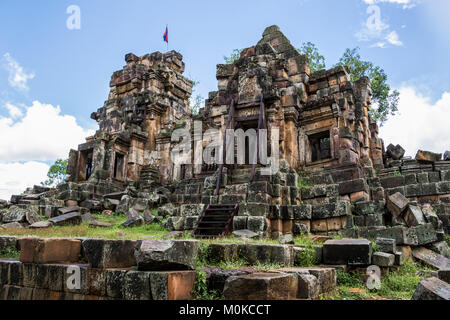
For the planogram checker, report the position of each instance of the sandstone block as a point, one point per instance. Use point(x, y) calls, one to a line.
point(261, 286)
point(73, 218)
point(432, 289)
point(386, 245)
point(427, 156)
point(172, 285)
point(35, 250)
point(152, 255)
point(383, 259)
point(102, 253)
point(397, 204)
point(347, 251)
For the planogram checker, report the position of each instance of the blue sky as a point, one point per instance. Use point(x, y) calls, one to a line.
point(43, 64)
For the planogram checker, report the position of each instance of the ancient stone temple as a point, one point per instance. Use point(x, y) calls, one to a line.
point(147, 99)
point(323, 169)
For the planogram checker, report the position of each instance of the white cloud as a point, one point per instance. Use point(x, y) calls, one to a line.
point(18, 78)
point(406, 4)
point(420, 123)
point(380, 44)
point(16, 177)
point(42, 134)
point(14, 112)
point(393, 39)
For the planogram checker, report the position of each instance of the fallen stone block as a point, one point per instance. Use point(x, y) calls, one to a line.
point(432, 289)
point(66, 210)
point(441, 248)
point(216, 277)
point(73, 218)
point(157, 255)
point(36, 250)
point(383, 259)
point(14, 214)
point(431, 258)
point(261, 286)
point(99, 224)
point(325, 276)
point(397, 204)
point(395, 152)
point(347, 251)
point(308, 285)
point(386, 245)
point(427, 156)
point(133, 222)
point(41, 225)
point(420, 235)
point(102, 253)
point(414, 216)
point(247, 234)
point(399, 258)
point(11, 225)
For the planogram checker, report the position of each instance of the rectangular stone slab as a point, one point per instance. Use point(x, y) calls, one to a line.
point(261, 286)
point(432, 289)
point(172, 285)
point(347, 251)
point(36, 250)
point(431, 258)
point(104, 253)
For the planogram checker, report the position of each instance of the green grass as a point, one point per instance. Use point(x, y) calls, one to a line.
point(156, 231)
point(396, 285)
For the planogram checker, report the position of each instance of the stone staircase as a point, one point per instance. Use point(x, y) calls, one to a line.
point(216, 221)
point(149, 177)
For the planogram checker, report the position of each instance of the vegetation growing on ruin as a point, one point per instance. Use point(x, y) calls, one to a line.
point(9, 253)
point(396, 285)
point(233, 57)
point(201, 290)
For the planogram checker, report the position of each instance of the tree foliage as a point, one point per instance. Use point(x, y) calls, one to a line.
point(233, 57)
point(57, 173)
point(196, 100)
point(316, 60)
point(384, 100)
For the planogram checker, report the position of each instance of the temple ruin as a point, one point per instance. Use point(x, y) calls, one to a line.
point(333, 176)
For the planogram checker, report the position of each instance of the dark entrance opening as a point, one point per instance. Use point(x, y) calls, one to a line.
point(247, 125)
point(88, 168)
point(320, 146)
point(119, 166)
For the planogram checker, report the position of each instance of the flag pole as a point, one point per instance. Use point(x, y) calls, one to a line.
point(167, 43)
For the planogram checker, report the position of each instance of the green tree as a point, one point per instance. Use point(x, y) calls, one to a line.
point(316, 60)
point(196, 100)
point(234, 56)
point(385, 101)
point(57, 173)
